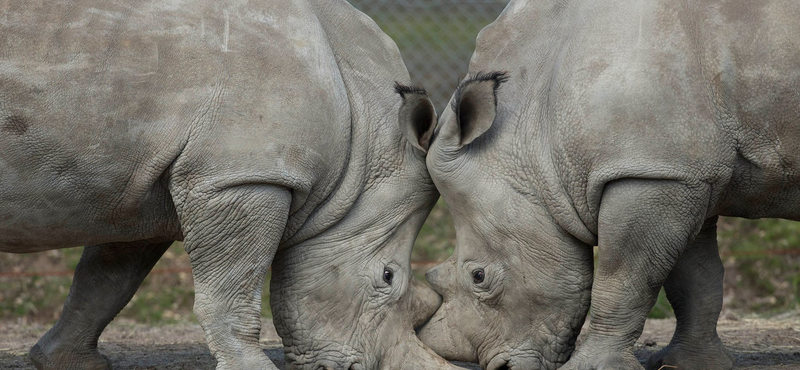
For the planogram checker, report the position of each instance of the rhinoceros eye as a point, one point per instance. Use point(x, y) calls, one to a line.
point(388, 275)
point(478, 276)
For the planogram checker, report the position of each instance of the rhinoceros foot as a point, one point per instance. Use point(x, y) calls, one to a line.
point(706, 357)
point(44, 358)
point(602, 360)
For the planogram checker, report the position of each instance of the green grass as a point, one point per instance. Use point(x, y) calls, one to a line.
point(31, 297)
point(436, 239)
point(765, 282)
point(662, 308)
point(754, 282)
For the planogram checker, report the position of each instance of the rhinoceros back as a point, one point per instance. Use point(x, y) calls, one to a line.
point(101, 102)
point(701, 92)
point(752, 65)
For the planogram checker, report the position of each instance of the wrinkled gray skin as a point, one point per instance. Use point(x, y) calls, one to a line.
point(630, 125)
point(247, 129)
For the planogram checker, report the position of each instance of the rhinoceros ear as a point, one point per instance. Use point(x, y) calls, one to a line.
point(417, 116)
point(475, 104)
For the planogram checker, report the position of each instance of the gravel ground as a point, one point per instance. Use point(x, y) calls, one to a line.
point(758, 344)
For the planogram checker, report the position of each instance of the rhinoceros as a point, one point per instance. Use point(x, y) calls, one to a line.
point(626, 125)
point(251, 130)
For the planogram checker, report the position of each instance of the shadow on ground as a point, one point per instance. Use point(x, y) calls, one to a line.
point(157, 357)
point(197, 357)
point(757, 344)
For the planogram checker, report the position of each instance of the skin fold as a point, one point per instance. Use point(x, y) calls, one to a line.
point(260, 133)
point(626, 125)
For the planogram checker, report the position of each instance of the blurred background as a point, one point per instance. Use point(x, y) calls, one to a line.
point(436, 38)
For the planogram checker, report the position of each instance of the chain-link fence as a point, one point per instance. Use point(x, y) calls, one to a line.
point(436, 37)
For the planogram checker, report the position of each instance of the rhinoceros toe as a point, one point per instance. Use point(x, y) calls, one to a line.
point(708, 357)
point(59, 359)
point(602, 360)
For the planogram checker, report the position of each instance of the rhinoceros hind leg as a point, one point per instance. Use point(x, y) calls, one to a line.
point(694, 288)
point(231, 237)
point(105, 279)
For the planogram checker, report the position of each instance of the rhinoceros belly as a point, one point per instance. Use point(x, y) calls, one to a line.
point(764, 184)
point(65, 185)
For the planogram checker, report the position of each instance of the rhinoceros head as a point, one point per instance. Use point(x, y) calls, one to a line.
point(516, 290)
point(346, 299)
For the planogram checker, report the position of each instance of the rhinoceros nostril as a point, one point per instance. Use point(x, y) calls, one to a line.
point(499, 366)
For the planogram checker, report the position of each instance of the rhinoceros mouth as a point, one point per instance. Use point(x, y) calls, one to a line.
point(499, 362)
point(526, 359)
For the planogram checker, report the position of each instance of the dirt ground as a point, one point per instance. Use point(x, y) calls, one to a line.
point(757, 344)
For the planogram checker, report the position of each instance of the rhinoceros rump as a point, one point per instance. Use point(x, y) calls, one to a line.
point(630, 125)
point(247, 129)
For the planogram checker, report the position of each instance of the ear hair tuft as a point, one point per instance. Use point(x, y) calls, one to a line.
point(405, 89)
point(499, 77)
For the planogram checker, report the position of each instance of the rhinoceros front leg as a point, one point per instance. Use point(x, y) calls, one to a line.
point(231, 237)
point(694, 288)
point(105, 279)
point(643, 227)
